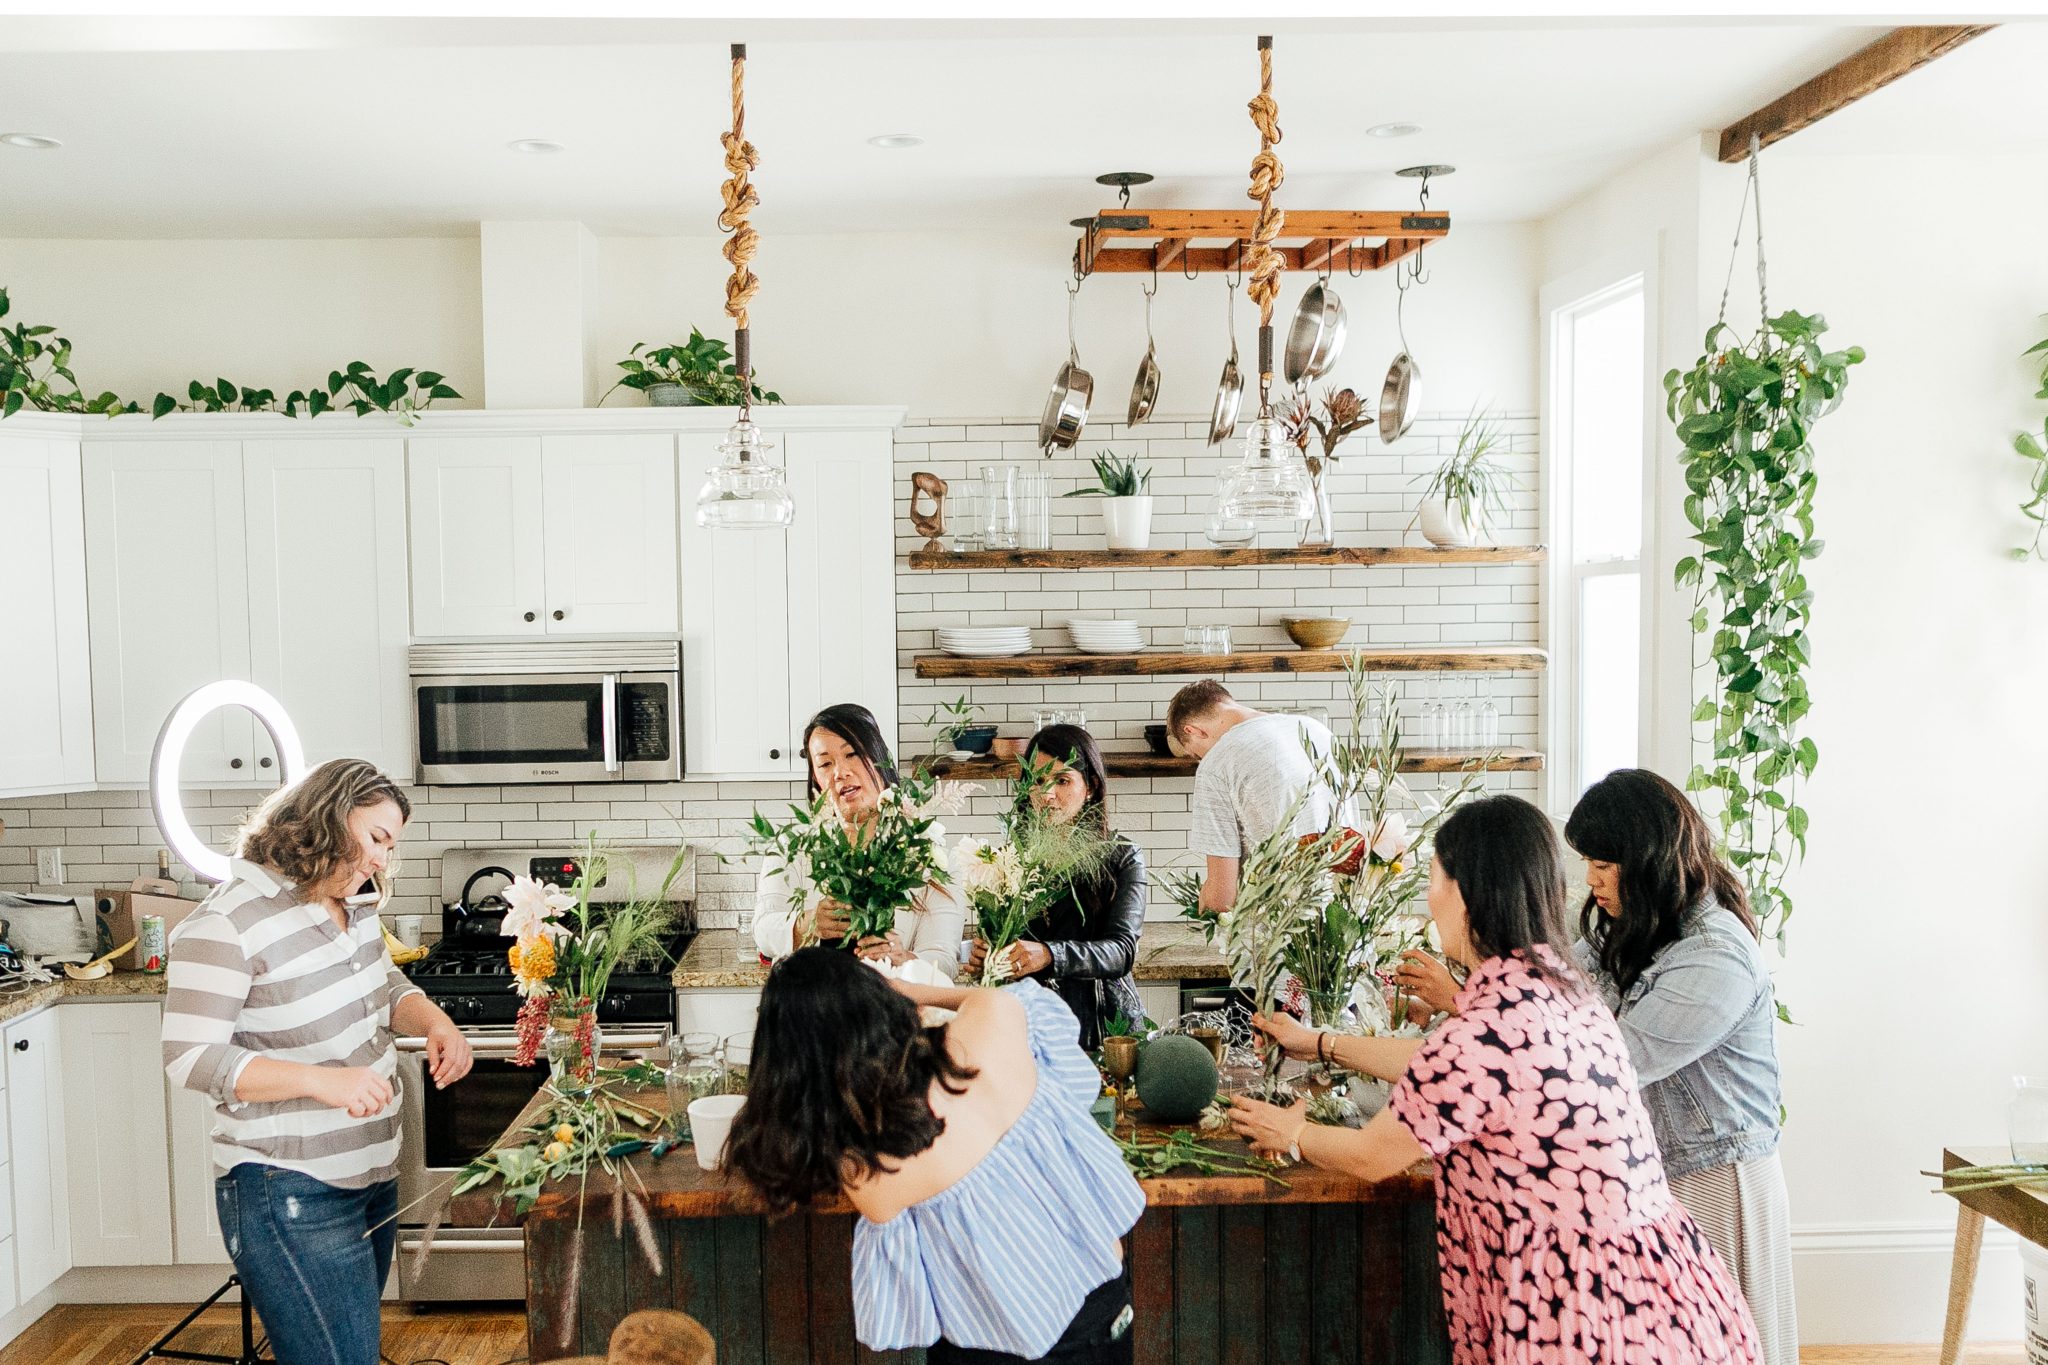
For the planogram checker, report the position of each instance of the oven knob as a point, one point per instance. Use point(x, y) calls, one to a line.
point(529, 616)
point(614, 1004)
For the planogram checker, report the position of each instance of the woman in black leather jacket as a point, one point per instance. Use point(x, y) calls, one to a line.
point(1086, 944)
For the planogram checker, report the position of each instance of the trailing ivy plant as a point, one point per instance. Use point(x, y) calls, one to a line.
point(32, 359)
point(1745, 412)
point(2035, 449)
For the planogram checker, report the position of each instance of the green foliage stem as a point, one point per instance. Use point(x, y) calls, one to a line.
point(2035, 449)
point(1745, 413)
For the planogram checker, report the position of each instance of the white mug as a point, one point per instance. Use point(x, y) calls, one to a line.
point(710, 1122)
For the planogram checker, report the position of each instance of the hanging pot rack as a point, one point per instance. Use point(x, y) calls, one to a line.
point(1122, 240)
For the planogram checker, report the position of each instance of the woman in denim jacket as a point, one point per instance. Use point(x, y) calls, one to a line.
point(1668, 939)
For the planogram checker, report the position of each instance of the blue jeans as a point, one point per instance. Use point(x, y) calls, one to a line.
point(299, 1247)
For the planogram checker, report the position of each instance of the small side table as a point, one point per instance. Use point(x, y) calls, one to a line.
point(2025, 1211)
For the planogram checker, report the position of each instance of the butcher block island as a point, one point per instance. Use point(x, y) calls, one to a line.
point(1223, 1268)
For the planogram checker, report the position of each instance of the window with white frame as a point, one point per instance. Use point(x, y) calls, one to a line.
point(1598, 385)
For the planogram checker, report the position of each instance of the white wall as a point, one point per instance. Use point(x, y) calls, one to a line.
point(145, 316)
point(1918, 952)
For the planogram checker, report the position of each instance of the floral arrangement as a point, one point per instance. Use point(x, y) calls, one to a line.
point(1343, 415)
point(1009, 885)
point(872, 868)
point(564, 950)
point(1333, 909)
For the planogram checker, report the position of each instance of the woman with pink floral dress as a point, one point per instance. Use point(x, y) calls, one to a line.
point(1558, 1238)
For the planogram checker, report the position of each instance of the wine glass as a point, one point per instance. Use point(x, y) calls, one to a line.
point(1120, 1060)
point(1489, 720)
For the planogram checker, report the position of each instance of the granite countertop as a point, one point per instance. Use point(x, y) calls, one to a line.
point(1167, 951)
point(116, 984)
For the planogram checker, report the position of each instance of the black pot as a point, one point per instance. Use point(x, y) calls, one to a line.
point(1155, 740)
point(975, 739)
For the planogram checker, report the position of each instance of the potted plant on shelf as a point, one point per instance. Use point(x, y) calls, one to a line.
point(1466, 490)
point(955, 730)
point(1126, 506)
point(694, 373)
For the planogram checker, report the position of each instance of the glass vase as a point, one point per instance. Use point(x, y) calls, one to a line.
point(573, 1041)
point(2027, 1120)
point(1320, 528)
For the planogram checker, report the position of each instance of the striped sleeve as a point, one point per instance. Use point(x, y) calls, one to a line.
point(207, 984)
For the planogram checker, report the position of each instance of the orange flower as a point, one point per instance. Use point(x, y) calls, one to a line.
point(533, 961)
point(1350, 850)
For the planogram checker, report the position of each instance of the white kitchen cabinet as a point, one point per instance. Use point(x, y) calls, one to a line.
point(611, 505)
point(195, 1223)
point(46, 687)
point(723, 1012)
point(777, 625)
point(167, 600)
point(35, 1151)
point(327, 595)
point(118, 1164)
point(565, 534)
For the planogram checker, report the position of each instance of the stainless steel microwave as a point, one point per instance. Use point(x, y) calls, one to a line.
point(547, 712)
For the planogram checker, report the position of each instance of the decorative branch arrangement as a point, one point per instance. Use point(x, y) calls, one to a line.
point(34, 359)
point(2027, 447)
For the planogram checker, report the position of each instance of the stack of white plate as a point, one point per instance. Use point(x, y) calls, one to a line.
point(984, 642)
point(1106, 637)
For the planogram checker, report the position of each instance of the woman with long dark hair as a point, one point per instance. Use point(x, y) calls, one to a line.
point(1085, 944)
point(847, 758)
point(1557, 1234)
point(991, 1203)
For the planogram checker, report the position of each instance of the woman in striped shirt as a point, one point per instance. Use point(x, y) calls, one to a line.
point(991, 1202)
point(282, 1003)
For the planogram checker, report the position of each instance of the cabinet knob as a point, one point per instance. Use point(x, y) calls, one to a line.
point(560, 614)
point(21, 1045)
point(529, 616)
point(775, 753)
point(262, 762)
point(234, 763)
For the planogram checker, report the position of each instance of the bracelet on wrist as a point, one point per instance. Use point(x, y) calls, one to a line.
point(1322, 1042)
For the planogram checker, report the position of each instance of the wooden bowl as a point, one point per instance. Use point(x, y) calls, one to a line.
point(1008, 747)
point(1317, 632)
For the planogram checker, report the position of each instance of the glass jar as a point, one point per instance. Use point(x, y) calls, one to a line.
point(2026, 1120)
point(965, 503)
point(1034, 510)
point(573, 1042)
point(999, 508)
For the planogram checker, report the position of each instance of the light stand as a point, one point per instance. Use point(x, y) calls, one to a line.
point(161, 1348)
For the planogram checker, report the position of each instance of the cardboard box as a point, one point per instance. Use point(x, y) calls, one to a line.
point(119, 910)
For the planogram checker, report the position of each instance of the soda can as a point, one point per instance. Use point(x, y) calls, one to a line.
point(150, 948)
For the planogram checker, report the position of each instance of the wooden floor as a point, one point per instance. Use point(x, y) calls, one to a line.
point(77, 1334)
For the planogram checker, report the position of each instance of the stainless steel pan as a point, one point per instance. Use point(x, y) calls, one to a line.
point(1398, 393)
point(1316, 336)
point(1145, 391)
point(1066, 407)
point(1230, 389)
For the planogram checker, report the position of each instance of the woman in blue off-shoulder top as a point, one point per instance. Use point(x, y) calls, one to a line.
point(991, 1203)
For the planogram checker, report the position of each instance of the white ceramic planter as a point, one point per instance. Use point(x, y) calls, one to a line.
point(1127, 522)
point(1441, 524)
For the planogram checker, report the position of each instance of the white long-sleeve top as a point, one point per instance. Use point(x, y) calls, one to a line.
point(931, 928)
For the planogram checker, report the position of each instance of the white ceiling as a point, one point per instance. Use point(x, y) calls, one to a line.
point(333, 128)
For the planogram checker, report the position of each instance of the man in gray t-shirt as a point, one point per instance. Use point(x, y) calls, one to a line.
point(1253, 766)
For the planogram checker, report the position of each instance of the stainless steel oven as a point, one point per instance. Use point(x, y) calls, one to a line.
point(441, 1131)
point(547, 712)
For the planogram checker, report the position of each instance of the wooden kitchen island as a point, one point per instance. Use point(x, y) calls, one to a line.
point(1225, 1271)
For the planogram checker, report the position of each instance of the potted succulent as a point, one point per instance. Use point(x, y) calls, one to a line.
point(1467, 489)
point(1126, 506)
point(694, 373)
point(954, 729)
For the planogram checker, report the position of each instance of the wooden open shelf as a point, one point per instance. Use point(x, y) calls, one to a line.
point(1449, 658)
point(1339, 556)
point(1160, 765)
point(1162, 239)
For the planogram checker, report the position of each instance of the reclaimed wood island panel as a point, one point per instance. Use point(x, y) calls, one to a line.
point(1225, 1271)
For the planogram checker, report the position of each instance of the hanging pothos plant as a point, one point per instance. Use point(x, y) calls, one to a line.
point(2035, 449)
point(1745, 412)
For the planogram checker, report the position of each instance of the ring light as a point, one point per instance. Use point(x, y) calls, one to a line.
point(170, 750)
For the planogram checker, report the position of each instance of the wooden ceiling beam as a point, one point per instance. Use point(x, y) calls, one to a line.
point(1874, 67)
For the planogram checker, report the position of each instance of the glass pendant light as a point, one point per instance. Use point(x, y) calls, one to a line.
point(1272, 483)
point(746, 491)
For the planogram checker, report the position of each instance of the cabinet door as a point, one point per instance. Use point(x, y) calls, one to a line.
point(327, 595)
point(35, 1152)
point(118, 1156)
point(168, 602)
point(611, 517)
point(195, 1224)
point(476, 535)
point(46, 687)
point(842, 575)
point(735, 634)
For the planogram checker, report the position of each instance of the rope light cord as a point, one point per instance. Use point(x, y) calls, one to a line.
point(1263, 263)
point(739, 198)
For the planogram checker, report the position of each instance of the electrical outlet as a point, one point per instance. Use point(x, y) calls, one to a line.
point(50, 867)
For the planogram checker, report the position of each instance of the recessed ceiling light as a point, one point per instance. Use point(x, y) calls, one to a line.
point(1393, 130)
point(33, 142)
point(896, 142)
point(537, 146)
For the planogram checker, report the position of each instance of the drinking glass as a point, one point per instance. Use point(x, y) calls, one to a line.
point(1461, 725)
point(1206, 639)
point(2026, 1120)
point(1034, 510)
point(738, 1052)
point(999, 509)
point(693, 1072)
point(1078, 719)
point(965, 503)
